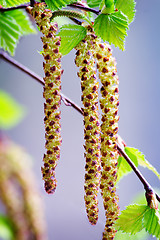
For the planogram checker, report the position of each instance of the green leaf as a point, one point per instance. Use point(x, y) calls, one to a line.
point(12, 3)
point(152, 222)
point(141, 159)
point(131, 219)
point(6, 230)
point(112, 28)
point(127, 7)
point(58, 4)
point(11, 113)
point(13, 25)
point(123, 166)
point(127, 236)
point(94, 3)
point(23, 22)
point(70, 35)
point(9, 32)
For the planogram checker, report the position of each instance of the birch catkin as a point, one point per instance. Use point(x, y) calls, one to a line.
point(52, 70)
point(89, 85)
point(18, 193)
point(106, 65)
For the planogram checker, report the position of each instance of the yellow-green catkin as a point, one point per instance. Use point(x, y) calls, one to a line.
point(89, 85)
point(52, 79)
point(106, 65)
point(19, 194)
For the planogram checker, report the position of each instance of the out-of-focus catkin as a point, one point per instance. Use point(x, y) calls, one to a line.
point(52, 79)
point(89, 85)
point(19, 194)
point(106, 65)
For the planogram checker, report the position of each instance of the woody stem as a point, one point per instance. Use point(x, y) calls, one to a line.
point(69, 102)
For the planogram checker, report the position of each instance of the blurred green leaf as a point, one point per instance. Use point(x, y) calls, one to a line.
point(6, 230)
point(70, 35)
point(131, 219)
point(112, 28)
point(58, 4)
point(127, 7)
point(12, 3)
point(11, 112)
point(142, 235)
point(13, 25)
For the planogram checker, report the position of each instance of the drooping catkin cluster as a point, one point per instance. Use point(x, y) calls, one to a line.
point(89, 85)
point(52, 79)
point(18, 192)
point(106, 65)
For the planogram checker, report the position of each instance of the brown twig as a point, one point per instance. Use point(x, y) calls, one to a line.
point(23, 6)
point(69, 102)
point(23, 68)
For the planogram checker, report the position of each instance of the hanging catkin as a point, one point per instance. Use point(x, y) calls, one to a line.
point(89, 85)
point(106, 65)
point(52, 79)
point(18, 193)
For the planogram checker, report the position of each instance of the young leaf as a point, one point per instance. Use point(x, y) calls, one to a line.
point(70, 35)
point(23, 22)
point(13, 24)
point(142, 235)
point(131, 219)
point(141, 159)
point(152, 222)
point(9, 32)
point(94, 3)
point(12, 3)
point(112, 28)
point(6, 230)
point(58, 4)
point(123, 166)
point(11, 113)
point(127, 7)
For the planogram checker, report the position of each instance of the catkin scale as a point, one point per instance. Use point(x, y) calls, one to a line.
point(109, 105)
point(51, 93)
point(87, 72)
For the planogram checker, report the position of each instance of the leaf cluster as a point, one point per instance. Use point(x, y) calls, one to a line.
point(136, 217)
point(111, 24)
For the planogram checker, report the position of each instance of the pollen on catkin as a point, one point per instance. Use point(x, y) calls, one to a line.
point(52, 88)
point(106, 65)
point(89, 85)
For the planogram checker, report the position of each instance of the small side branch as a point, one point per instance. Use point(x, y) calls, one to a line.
point(82, 7)
point(146, 185)
point(23, 6)
point(20, 66)
point(69, 102)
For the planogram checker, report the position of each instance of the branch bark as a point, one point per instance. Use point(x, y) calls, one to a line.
point(69, 102)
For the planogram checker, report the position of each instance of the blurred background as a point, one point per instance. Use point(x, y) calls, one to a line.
point(138, 69)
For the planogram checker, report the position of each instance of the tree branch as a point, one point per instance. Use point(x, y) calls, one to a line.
point(23, 6)
point(32, 2)
point(69, 102)
point(20, 66)
point(82, 7)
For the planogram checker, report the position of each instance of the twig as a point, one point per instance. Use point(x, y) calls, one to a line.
point(146, 185)
point(82, 7)
point(32, 2)
point(20, 66)
point(69, 102)
point(23, 6)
